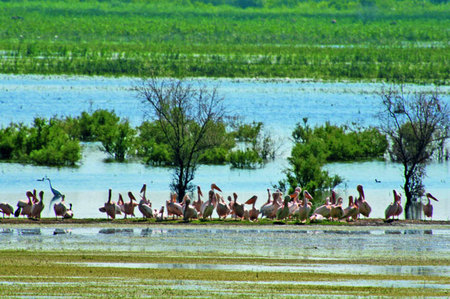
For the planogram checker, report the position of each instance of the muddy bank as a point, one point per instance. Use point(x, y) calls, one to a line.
point(229, 222)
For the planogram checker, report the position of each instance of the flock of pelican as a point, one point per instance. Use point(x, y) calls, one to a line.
point(297, 206)
point(277, 207)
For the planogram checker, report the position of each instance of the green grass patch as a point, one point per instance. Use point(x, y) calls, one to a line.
point(374, 40)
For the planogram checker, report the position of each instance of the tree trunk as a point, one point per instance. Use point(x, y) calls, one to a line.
point(413, 209)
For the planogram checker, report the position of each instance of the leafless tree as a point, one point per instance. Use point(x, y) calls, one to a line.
point(417, 124)
point(187, 114)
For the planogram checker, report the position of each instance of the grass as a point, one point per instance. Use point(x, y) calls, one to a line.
point(60, 273)
point(383, 40)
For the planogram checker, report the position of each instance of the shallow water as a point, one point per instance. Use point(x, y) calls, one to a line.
point(280, 104)
point(296, 242)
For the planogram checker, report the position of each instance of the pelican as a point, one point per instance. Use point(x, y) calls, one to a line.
point(6, 208)
point(269, 210)
point(364, 207)
point(69, 212)
point(253, 213)
point(144, 206)
point(110, 207)
point(24, 206)
point(160, 215)
point(352, 211)
point(222, 209)
point(393, 208)
point(428, 208)
point(324, 210)
point(198, 203)
point(283, 212)
point(207, 207)
point(173, 207)
point(295, 203)
point(60, 208)
point(269, 200)
point(37, 208)
point(336, 210)
point(237, 208)
point(128, 207)
point(188, 211)
point(304, 209)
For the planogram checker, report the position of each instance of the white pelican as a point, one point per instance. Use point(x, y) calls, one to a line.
point(324, 210)
point(144, 206)
point(60, 208)
point(337, 211)
point(188, 211)
point(207, 207)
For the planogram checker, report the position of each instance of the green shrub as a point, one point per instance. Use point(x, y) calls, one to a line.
point(245, 159)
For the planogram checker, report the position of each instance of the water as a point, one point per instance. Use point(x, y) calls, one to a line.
point(280, 104)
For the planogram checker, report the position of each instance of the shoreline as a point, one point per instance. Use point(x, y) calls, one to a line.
point(375, 222)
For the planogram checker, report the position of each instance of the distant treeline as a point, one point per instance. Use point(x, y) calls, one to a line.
point(56, 142)
point(340, 39)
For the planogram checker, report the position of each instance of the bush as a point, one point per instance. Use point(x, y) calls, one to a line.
point(245, 159)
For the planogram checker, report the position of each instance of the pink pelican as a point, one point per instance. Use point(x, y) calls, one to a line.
point(198, 204)
point(351, 212)
point(222, 208)
point(295, 203)
point(336, 210)
point(24, 206)
point(207, 208)
point(110, 207)
point(269, 210)
point(305, 208)
point(395, 208)
point(37, 208)
point(237, 208)
point(173, 207)
point(324, 210)
point(364, 207)
point(428, 208)
point(253, 213)
point(6, 208)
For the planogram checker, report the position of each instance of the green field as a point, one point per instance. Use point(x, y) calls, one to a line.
point(341, 39)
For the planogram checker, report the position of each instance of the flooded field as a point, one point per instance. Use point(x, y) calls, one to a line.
point(280, 104)
point(74, 260)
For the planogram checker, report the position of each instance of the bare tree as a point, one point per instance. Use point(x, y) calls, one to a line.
point(417, 125)
point(188, 115)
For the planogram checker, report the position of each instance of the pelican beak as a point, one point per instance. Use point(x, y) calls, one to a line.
point(308, 196)
point(214, 186)
point(200, 191)
point(432, 197)
point(293, 195)
point(361, 191)
point(144, 188)
point(252, 200)
point(130, 195)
